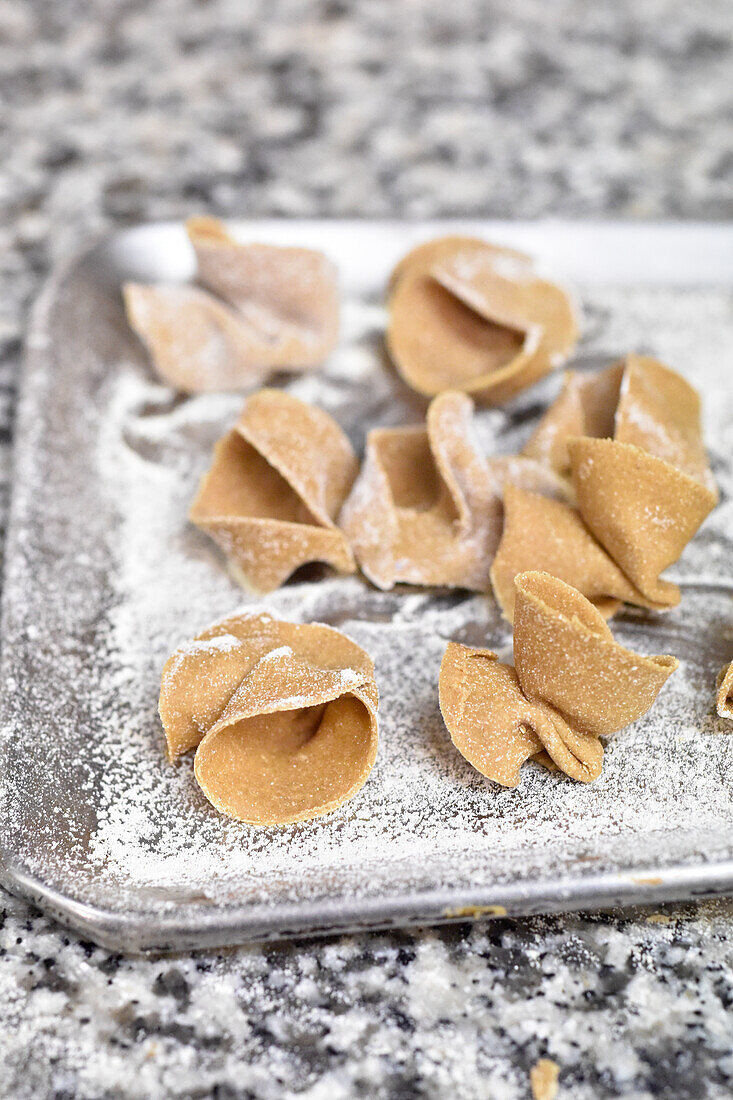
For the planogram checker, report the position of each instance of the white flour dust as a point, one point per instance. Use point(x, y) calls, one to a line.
point(425, 818)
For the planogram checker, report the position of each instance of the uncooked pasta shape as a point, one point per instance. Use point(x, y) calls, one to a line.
point(550, 535)
point(257, 308)
point(629, 440)
point(283, 717)
point(275, 487)
point(637, 400)
point(427, 506)
point(467, 315)
point(571, 684)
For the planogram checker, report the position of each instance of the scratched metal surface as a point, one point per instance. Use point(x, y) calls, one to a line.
point(104, 577)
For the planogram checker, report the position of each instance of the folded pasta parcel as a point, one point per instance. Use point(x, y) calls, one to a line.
point(288, 296)
point(283, 717)
point(256, 308)
point(467, 315)
point(637, 400)
point(550, 535)
point(275, 487)
point(195, 343)
point(628, 441)
point(572, 683)
point(427, 506)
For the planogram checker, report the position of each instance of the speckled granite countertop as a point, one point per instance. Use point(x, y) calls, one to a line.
point(123, 110)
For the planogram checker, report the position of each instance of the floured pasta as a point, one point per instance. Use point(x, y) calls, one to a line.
point(641, 509)
point(288, 296)
point(274, 490)
point(571, 684)
point(550, 535)
point(257, 308)
point(637, 400)
point(427, 506)
point(283, 717)
point(467, 315)
point(196, 343)
point(630, 442)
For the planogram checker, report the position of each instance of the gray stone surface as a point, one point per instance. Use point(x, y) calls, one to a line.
point(116, 111)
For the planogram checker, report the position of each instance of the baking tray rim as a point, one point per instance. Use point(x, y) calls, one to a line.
point(632, 886)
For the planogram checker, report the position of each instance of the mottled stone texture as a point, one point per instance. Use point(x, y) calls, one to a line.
point(127, 110)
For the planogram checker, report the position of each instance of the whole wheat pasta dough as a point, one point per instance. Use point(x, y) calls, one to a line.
point(275, 487)
point(427, 506)
point(196, 344)
point(550, 535)
point(637, 400)
point(571, 684)
point(288, 296)
point(283, 717)
point(629, 442)
point(468, 315)
point(641, 509)
point(257, 308)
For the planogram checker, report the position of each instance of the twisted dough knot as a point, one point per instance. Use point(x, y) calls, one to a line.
point(283, 717)
point(641, 495)
point(571, 684)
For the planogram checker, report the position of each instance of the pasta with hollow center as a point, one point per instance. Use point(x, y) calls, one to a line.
point(640, 496)
point(257, 308)
point(275, 488)
point(283, 717)
point(468, 315)
point(571, 684)
point(427, 506)
point(637, 400)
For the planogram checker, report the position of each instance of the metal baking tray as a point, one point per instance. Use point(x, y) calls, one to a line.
point(104, 576)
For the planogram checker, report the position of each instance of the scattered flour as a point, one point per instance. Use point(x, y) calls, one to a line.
point(138, 834)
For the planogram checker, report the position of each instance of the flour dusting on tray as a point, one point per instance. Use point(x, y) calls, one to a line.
point(138, 829)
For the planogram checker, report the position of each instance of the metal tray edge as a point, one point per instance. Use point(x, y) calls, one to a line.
point(109, 929)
